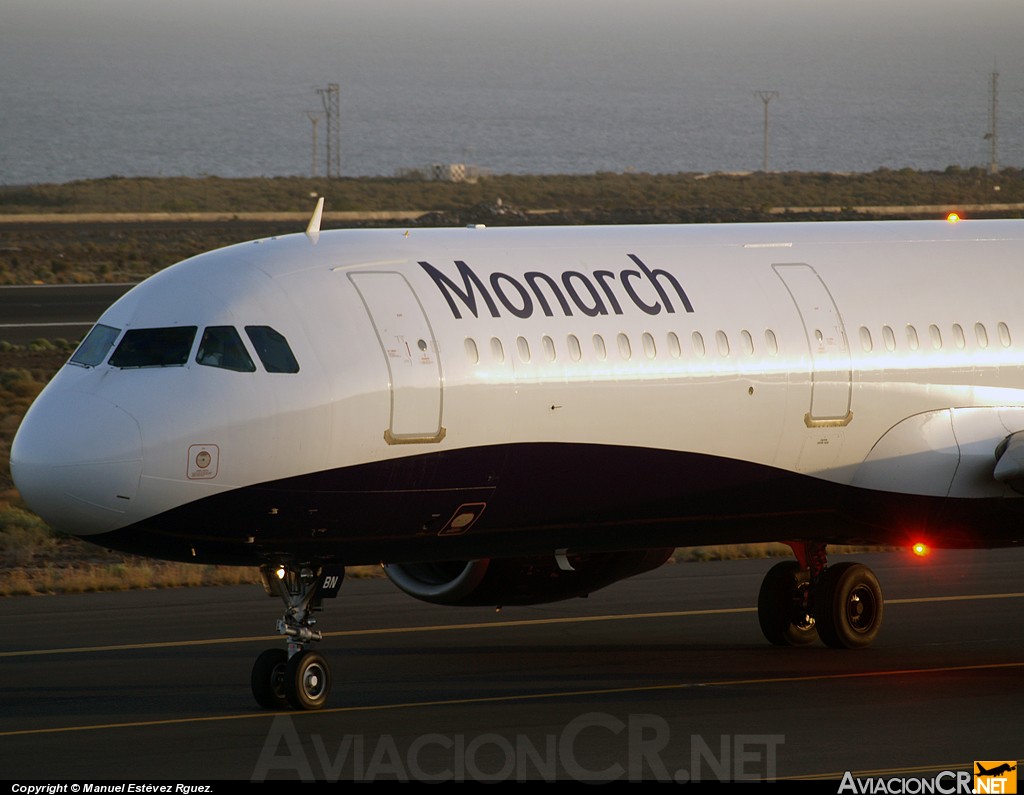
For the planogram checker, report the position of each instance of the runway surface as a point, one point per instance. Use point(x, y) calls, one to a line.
point(665, 676)
point(33, 312)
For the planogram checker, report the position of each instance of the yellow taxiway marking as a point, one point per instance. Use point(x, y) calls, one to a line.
point(529, 622)
point(520, 697)
point(351, 633)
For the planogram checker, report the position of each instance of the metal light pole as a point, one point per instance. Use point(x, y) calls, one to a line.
point(329, 98)
point(993, 128)
point(766, 97)
point(314, 117)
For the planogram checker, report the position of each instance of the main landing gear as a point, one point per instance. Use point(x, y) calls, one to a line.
point(805, 599)
point(299, 677)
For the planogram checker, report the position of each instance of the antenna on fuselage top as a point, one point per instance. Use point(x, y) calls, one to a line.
point(313, 230)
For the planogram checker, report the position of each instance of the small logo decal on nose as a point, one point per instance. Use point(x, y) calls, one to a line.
point(203, 461)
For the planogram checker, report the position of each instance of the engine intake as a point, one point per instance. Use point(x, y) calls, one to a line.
point(520, 581)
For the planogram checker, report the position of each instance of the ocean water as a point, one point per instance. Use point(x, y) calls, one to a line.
point(103, 87)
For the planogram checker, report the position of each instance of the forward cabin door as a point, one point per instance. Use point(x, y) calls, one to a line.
point(410, 351)
point(831, 365)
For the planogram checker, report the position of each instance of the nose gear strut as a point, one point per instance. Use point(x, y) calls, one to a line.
point(299, 677)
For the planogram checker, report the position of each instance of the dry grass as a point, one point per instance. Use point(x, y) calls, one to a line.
point(91, 578)
point(34, 561)
point(767, 550)
point(730, 552)
point(562, 192)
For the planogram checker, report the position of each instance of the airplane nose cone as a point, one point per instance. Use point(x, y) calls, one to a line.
point(77, 460)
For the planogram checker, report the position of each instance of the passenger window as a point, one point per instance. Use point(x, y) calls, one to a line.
point(723, 342)
point(1004, 335)
point(273, 349)
point(674, 348)
point(599, 347)
point(958, 336)
point(575, 350)
point(497, 350)
point(889, 338)
point(936, 336)
point(471, 351)
point(912, 340)
point(549, 348)
point(524, 349)
point(771, 342)
point(154, 347)
point(95, 346)
point(222, 347)
point(698, 343)
point(981, 334)
point(748, 342)
point(625, 349)
point(650, 351)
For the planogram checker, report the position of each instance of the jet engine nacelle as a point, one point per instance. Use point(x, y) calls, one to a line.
point(520, 581)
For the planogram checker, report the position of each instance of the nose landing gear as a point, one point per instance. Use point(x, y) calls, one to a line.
point(805, 599)
point(299, 678)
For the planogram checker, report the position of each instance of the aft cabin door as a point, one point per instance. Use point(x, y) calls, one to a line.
point(831, 367)
point(414, 369)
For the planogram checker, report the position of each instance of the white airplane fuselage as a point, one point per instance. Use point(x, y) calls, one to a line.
point(501, 393)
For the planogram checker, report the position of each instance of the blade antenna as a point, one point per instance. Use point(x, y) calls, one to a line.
point(313, 230)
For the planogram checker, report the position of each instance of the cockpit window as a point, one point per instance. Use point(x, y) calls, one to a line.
point(95, 346)
point(221, 346)
point(154, 347)
point(273, 349)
